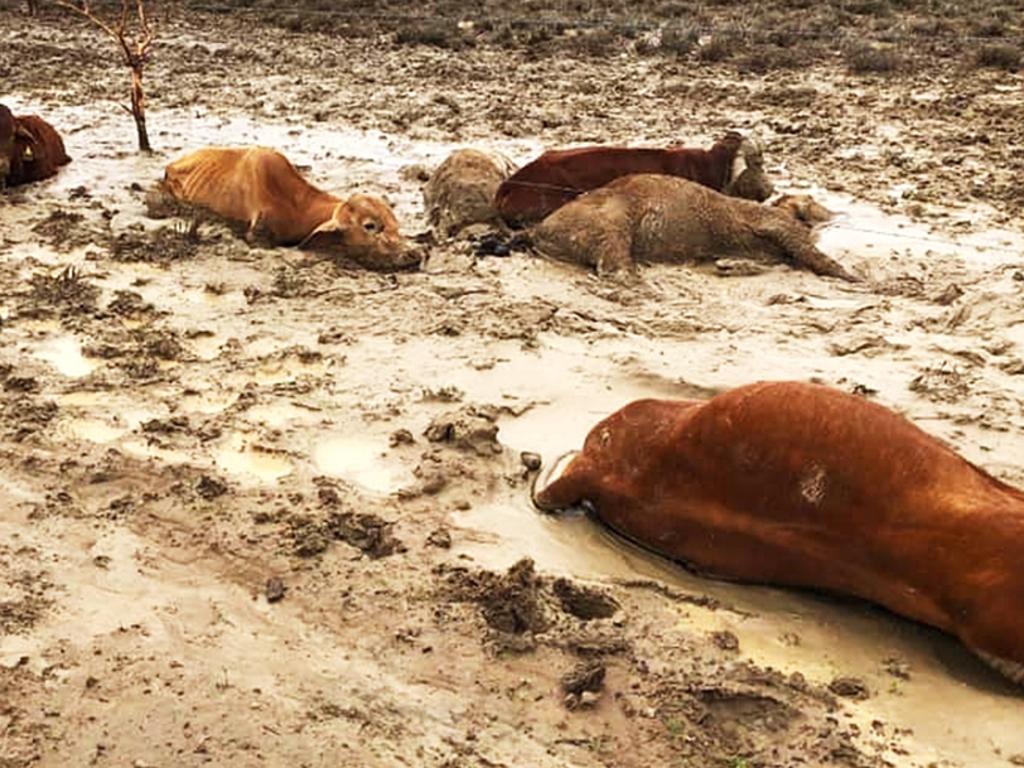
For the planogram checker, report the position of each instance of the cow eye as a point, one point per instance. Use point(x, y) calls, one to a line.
point(370, 225)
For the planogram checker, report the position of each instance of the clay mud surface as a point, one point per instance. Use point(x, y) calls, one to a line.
point(261, 509)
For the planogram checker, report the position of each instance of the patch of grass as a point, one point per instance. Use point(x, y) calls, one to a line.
point(869, 7)
point(863, 58)
point(998, 55)
point(595, 42)
point(718, 48)
point(771, 57)
point(990, 27)
point(437, 34)
point(930, 27)
point(678, 40)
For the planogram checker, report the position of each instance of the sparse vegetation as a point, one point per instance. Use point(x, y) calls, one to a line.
point(718, 48)
point(864, 58)
point(999, 55)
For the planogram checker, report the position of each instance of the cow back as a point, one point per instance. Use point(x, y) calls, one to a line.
point(559, 176)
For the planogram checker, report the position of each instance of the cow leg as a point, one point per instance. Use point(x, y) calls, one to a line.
point(252, 233)
point(795, 244)
point(613, 256)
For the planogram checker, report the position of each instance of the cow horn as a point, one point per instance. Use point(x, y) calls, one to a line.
point(23, 132)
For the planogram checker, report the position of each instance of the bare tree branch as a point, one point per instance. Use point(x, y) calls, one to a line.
point(134, 44)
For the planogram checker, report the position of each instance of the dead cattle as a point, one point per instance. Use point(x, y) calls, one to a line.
point(802, 485)
point(733, 166)
point(461, 190)
point(30, 149)
point(668, 219)
point(260, 188)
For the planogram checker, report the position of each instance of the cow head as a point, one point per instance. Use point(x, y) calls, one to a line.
point(8, 128)
point(364, 229)
point(16, 145)
point(804, 209)
point(746, 177)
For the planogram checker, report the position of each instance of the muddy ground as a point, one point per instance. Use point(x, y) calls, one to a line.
point(259, 509)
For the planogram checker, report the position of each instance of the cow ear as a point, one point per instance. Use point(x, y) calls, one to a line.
point(328, 226)
point(739, 165)
point(21, 132)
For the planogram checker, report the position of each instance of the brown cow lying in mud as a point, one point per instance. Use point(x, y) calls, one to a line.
point(260, 188)
point(668, 219)
point(802, 485)
point(733, 166)
point(30, 149)
point(460, 192)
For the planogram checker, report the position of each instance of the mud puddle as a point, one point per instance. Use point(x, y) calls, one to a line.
point(821, 638)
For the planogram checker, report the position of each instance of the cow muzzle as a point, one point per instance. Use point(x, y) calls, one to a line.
point(546, 477)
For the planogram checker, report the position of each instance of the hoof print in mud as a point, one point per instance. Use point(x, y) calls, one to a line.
point(583, 602)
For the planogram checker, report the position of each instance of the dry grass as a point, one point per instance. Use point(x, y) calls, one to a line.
point(864, 58)
point(999, 56)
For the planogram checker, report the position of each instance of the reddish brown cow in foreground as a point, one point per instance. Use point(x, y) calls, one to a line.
point(803, 485)
point(30, 149)
point(258, 187)
point(734, 165)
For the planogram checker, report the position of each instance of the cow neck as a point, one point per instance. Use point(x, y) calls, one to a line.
point(316, 203)
point(721, 156)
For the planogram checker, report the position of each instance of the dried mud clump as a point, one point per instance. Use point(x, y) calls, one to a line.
point(210, 488)
point(18, 616)
point(471, 428)
point(67, 291)
point(161, 245)
point(370, 534)
point(23, 416)
point(65, 229)
point(522, 608)
point(512, 602)
point(942, 385)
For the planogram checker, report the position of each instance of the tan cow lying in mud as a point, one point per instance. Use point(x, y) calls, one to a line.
point(733, 166)
point(460, 192)
point(664, 218)
point(259, 188)
point(802, 485)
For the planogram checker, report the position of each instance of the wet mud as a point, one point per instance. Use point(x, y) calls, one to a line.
point(263, 508)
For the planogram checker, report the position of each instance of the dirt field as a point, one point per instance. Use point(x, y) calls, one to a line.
point(258, 509)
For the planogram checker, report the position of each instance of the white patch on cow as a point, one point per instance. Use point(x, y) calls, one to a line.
point(1011, 669)
point(739, 165)
point(812, 484)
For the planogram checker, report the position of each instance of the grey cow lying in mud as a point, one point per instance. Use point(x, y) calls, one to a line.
point(655, 218)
